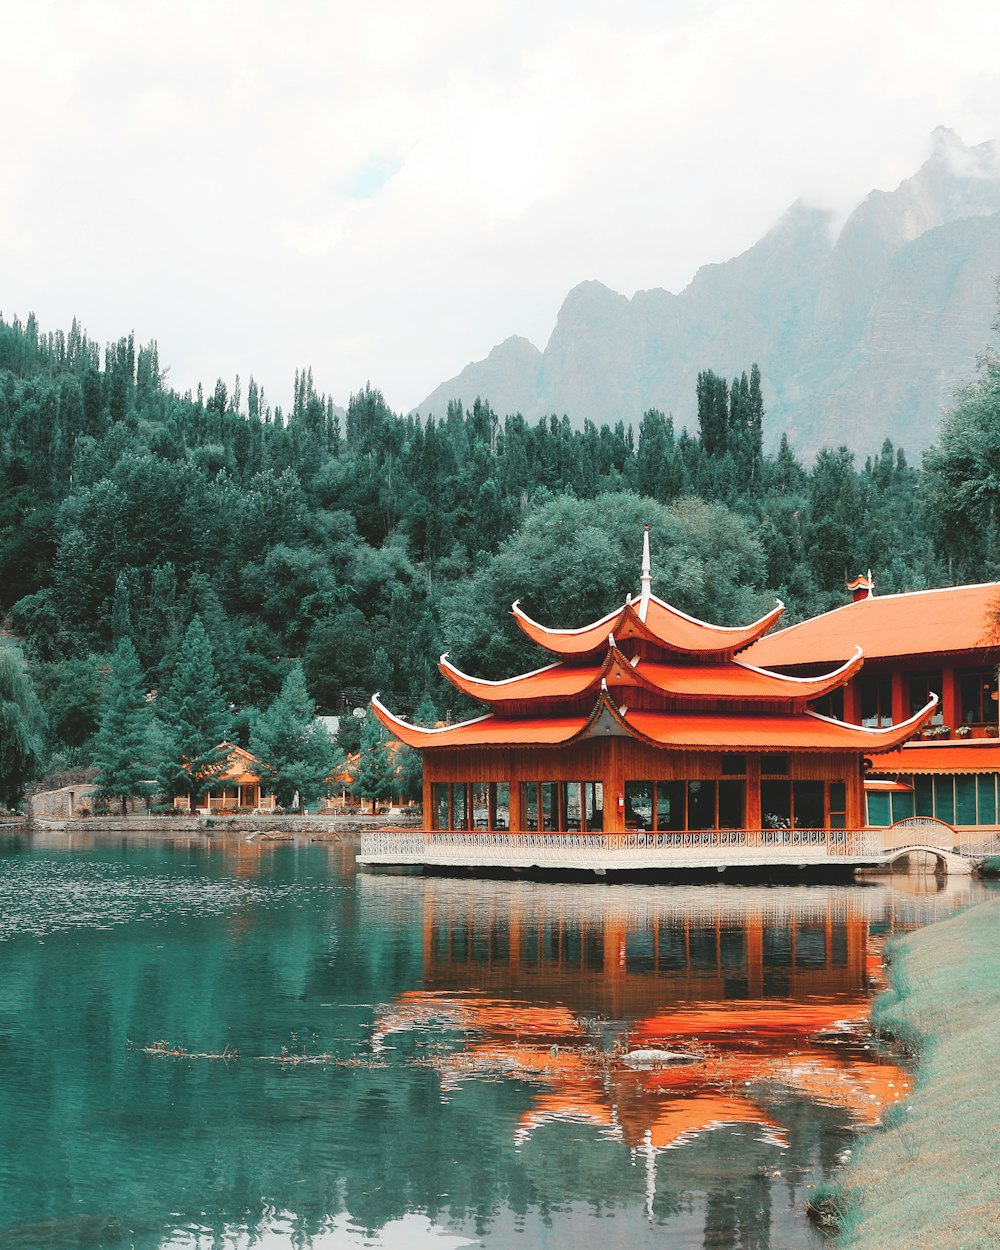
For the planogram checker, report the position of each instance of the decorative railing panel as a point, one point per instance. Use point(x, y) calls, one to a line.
point(495, 846)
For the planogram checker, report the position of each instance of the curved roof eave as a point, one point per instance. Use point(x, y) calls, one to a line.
point(416, 735)
point(719, 639)
point(823, 684)
point(886, 737)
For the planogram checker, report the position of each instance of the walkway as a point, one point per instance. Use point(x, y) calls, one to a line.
point(602, 853)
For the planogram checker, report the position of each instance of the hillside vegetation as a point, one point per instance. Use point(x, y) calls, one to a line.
point(363, 545)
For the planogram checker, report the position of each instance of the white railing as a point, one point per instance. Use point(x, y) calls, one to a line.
point(499, 846)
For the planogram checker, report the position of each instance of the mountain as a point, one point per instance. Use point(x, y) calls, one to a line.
point(860, 335)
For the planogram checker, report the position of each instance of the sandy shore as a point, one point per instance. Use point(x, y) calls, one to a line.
point(930, 1178)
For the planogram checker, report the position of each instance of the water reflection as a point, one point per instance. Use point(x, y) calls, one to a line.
point(459, 1057)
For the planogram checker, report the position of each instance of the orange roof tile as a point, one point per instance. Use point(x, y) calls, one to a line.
point(979, 756)
point(719, 680)
point(922, 622)
point(806, 731)
point(664, 625)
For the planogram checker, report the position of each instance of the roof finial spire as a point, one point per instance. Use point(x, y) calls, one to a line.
point(647, 576)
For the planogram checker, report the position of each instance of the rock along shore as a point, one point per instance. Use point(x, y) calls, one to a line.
point(929, 1179)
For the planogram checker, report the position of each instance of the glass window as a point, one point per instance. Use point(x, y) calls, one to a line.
point(807, 804)
point(670, 804)
point(500, 798)
point(731, 804)
point(831, 704)
point(986, 787)
point(593, 804)
point(734, 765)
point(944, 799)
point(569, 797)
point(876, 699)
point(902, 805)
point(459, 805)
point(965, 800)
point(550, 805)
point(774, 765)
point(529, 804)
point(701, 804)
point(878, 808)
point(439, 805)
point(638, 805)
point(922, 686)
point(776, 804)
point(923, 792)
point(480, 805)
point(979, 696)
point(838, 805)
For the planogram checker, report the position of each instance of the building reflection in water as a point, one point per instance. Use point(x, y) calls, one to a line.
point(579, 991)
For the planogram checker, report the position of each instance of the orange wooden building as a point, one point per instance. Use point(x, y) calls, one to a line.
point(649, 719)
point(945, 641)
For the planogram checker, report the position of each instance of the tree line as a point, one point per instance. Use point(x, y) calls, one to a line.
point(352, 547)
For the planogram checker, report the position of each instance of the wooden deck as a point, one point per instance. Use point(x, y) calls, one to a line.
point(603, 853)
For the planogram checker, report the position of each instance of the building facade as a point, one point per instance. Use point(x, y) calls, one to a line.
point(651, 720)
point(943, 641)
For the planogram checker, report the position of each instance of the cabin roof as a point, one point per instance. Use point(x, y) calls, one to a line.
point(920, 622)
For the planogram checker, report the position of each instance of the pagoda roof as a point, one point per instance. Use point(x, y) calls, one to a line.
point(921, 622)
point(651, 619)
point(722, 680)
point(713, 731)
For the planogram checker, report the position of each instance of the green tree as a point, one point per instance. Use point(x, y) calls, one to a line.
point(295, 754)
point(196, 720)
point(22, 724)
point(376, 776)
point(125, 742)
point(964, 475)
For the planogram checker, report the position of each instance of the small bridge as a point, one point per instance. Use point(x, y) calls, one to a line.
point(638, 851)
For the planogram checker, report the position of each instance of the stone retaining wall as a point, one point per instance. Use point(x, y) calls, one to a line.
point(220, 826)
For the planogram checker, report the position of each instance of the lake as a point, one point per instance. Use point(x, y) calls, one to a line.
point(231, 1044)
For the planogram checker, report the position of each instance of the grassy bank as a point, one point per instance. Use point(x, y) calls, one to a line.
point(930, 1179)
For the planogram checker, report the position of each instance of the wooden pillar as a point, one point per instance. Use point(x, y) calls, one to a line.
point(900, 708)
point(852, 702)
point(516, 820)
point(855, 795)
point(950, 700)
point(614, 785)
point(752, 813)
point(428, 805)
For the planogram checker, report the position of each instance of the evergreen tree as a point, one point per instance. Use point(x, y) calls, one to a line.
point(124, 745)
point(295, 754)
point(376, 776)
point(196, 720)
point(22, 724)
point(410, 762)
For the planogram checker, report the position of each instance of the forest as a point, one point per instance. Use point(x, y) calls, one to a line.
point(355, 549)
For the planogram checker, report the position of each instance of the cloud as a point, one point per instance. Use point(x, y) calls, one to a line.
point(385, 191)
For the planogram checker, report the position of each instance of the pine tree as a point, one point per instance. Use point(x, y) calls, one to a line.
point(196, 720)
point(295, 754)
point(21, 726)
point(124, 745)
point(409, 761)
point(376, 776)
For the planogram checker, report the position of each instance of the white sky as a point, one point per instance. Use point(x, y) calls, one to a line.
point(385, 190)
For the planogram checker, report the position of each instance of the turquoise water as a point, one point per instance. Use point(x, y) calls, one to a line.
point(400, 1062)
